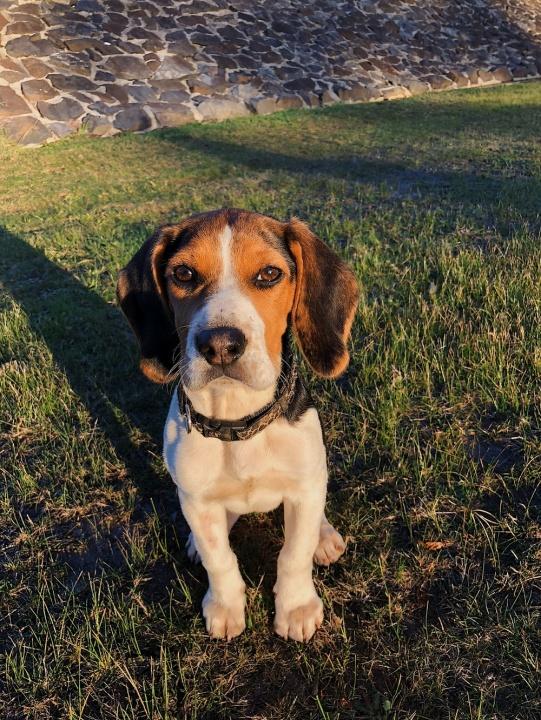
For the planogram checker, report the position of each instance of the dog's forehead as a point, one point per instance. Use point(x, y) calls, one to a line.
point(245, 233)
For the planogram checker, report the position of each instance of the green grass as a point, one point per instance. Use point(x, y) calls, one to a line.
point(434, 433)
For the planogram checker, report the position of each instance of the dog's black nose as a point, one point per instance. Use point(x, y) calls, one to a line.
point(220, 345)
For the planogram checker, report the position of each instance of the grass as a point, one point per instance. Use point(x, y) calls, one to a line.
point(434, 433)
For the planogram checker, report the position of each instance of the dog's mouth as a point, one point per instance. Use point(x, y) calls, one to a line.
point(232, 374)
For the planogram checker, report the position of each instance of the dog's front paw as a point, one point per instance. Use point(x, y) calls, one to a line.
point(301, 622)
point(330, 547)
point(223, 621)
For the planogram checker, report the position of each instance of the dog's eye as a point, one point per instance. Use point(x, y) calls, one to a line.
point(184, 274)
point(268, 276)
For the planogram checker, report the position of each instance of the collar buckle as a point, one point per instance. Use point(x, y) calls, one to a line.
point(188, 417)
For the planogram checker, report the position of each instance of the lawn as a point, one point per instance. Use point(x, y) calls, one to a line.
point(434, 433)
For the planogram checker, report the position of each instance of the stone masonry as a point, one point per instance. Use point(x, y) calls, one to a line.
point(134, 65)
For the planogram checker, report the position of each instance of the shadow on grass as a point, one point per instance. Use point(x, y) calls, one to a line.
point(90, 343)
point(496, 192)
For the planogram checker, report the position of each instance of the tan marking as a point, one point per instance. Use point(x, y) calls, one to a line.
point(251, 253)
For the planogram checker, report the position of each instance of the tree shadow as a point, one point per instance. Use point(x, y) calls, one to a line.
point(403, 179)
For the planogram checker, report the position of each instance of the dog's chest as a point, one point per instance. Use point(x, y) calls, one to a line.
point(246, 476)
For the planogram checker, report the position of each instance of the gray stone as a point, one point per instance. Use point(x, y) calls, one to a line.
point(69, 83)
point(127, 67)
point(11, 104)
point(394, 92)
point(416, 87)
point(172, 115)
point(66, 109)
point(25, 130)
point(61, 129)
point(221, 109)
point(132, 119)
point(289, 102)
point(141, 93)
point(97, 125)
point(502, 75)
point(34, 90)
point(174, 96)
point(174, 67)
point(23, 47)
point(37, 68)
point(359, 93)
point(264, 105)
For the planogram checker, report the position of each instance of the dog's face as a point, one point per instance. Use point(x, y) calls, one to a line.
point(212, 297)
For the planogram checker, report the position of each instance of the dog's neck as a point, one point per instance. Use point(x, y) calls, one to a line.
point(229, 399)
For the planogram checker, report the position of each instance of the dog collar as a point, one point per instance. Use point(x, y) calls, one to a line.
point(248, 426)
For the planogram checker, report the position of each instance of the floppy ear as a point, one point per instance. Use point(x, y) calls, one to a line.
point(141, 294)
point(326, 296)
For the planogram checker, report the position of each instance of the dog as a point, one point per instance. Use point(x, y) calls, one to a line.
point(214, 302)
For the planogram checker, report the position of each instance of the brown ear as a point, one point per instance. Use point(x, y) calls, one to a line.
point(141, 295)
point(326, 296)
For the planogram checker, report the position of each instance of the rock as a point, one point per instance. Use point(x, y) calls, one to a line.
point(329, 97)
point(439, 82)
point(25, 130)
point(12, 77)
point(174, 96)
point(416, 87)
point(141, 93)
point(221, 109)
point(127, 67)
point(36, 68)
point(96, 125)
point(264, 105)
point(461, 79)
point(289, 102)
point(358, 93)
point(395, 92)
point(69, 83)
point(132, 119)
point(172, 115)
point(502, 74)
point(23, 47)
point(118, 93)
point(174, 67)
point(35, 90)
point(11, 104)
point(61, 129)
point(24, 27)
point(66, 109)
point(485, 76)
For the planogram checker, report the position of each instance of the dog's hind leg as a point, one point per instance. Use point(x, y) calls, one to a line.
point(331, 544)
point(191, 550)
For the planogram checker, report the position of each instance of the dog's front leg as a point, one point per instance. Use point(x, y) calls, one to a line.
point(299, 610)
point(223, 604)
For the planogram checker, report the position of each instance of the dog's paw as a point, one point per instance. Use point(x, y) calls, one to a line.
point(223, 621)
point(331, 546)
point(191, 550)
point(301, 622)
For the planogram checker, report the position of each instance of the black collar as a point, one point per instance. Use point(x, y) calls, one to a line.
point(248, 426)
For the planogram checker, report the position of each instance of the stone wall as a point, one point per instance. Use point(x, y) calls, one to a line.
point(134, 65)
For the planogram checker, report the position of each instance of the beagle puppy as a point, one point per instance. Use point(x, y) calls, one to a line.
point(213, 302)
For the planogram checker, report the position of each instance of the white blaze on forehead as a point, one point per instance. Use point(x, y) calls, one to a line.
point(229, 304)
point(226, 245)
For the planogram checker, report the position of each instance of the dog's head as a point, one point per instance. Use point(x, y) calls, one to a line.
point(214, 295)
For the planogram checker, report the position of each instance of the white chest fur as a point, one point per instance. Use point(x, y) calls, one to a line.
point(245, 476)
